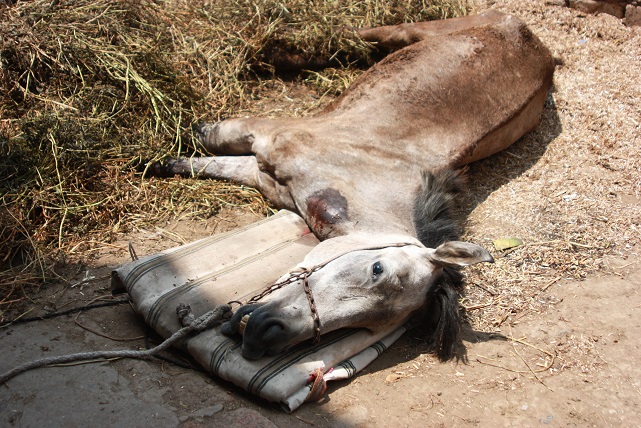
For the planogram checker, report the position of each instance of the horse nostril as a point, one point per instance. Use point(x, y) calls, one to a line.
point(238, 321)
point(227, 328)
point(273, 329)
point(263, 337)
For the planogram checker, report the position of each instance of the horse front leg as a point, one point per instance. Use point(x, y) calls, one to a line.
point(238, 136)
point(239, 169)
point(243, 170)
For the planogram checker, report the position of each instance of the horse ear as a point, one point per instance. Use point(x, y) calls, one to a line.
point(459, 254)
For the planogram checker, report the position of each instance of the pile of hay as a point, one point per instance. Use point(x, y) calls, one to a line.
point(91, 90)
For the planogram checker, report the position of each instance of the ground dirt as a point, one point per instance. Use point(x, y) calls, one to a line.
point(568, 355)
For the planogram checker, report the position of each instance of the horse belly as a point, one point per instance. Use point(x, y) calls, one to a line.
point(453, 99)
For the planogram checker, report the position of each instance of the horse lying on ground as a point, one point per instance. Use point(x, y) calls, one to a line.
point(372, 175)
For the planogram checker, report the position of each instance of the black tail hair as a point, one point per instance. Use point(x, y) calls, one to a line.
point(435, 223)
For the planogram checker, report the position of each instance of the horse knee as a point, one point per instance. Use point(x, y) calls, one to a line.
point(229, 137)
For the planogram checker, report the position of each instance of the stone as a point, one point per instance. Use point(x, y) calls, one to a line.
point(557, 2)
point(615, 8)
point(202, 413)
point(632, 15)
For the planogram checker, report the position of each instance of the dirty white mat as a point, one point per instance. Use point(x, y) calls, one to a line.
point(235, 266)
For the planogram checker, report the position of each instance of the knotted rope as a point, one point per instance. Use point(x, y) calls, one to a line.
point(191, 325)
point(317, 385)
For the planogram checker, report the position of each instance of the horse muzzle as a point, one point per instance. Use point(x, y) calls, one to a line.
point(263, 332)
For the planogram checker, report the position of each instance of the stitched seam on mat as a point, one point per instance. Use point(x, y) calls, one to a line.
point(219, 353)
point(155, 309)
point(260, 379)
point(135, 274)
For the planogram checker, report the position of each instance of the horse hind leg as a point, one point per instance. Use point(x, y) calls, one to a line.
point(394, 37)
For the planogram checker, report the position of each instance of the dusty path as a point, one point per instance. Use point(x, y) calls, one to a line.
point(576, 360)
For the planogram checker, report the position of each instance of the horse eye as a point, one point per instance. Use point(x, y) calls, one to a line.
point(377, 269)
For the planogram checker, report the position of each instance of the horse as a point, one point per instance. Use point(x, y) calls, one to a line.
point(375, 175)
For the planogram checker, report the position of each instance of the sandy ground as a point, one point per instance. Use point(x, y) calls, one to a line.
point(573, 361)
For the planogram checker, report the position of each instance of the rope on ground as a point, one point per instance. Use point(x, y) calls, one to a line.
point(172, 356)
point(208, 320)
point(65, 312)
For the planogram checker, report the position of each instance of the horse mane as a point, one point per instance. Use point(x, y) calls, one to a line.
point(434, 207)
point(435, 222)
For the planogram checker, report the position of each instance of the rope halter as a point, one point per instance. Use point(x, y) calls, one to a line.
point(303, 274)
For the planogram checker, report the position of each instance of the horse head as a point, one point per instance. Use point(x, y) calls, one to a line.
point(372, 283)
